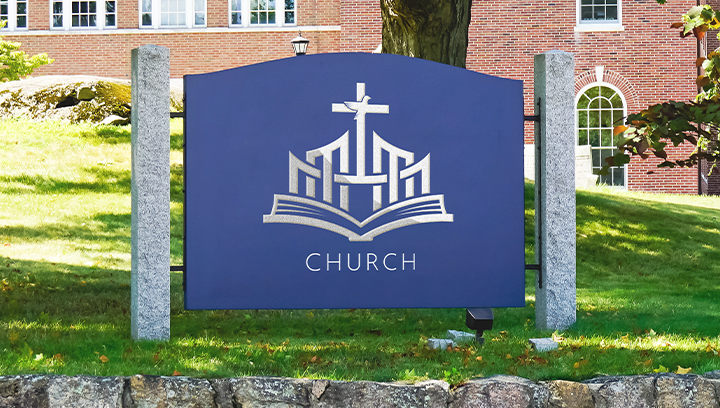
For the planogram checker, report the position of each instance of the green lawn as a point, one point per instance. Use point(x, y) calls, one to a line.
point(648, 287)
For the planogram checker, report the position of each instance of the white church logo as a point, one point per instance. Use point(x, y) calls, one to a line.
point(294, 209)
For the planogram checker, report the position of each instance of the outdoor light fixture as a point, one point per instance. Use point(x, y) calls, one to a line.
point(300, 44)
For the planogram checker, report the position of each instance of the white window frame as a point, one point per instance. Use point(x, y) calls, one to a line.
point(156, 15)
point(245, 15)
point(67, 16)
point(577, 120)
point(12, 16)
point(598, 25)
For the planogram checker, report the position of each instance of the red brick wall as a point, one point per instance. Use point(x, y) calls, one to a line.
point(38, 15)
point(656, 63)
point(361, 25)
point(128, 14)
point(217, 13)
point(317, 12)
point(191, 53)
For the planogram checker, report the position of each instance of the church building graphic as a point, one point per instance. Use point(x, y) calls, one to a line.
point(321, 210)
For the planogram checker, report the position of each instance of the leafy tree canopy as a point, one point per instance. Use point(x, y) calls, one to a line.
point(649, 132)
point(14, 63)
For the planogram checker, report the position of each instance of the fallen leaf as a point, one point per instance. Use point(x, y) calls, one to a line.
point(104, 359)
point(176, 373)
point(580, 363)
point(313, 359)
point(681, 370)
point(508, 356)
point(479, 358)
point(648, 363)
point(660, 369)
point(557, 338)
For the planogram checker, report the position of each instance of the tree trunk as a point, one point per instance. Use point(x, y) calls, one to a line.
point(436, 30)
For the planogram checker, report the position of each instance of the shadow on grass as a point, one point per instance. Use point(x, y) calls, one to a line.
point(106, 180)
point(110, 230)
point(81, 313)
point(113, 135)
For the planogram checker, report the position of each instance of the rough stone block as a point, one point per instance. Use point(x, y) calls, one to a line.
point(150, 193)
point(544, 344)
point(716, 385)
point(223, 392)
point(715, 375)
point(85, 392)
point(23, 391)
point(365, 394)
point(568, 394)
point(440, 344)
point(626, 392)
point(555, 190)
point(176, 392)
point(500, 391)
point(85, 93)
point(460, 336)
point(684, 391)
point(270, 392)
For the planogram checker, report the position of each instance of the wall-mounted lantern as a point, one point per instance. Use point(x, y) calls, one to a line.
point(300, 44)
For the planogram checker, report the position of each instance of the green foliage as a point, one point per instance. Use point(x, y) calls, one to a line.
point(14, 63)
point(697, 122)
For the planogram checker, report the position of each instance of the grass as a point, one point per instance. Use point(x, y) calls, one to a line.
point(648, 282)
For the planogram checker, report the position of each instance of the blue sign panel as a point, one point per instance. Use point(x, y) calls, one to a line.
point(353, 181)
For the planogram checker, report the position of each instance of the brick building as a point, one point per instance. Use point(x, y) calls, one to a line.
point(626, 55)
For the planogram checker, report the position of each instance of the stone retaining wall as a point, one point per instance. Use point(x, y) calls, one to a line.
point(139, 391)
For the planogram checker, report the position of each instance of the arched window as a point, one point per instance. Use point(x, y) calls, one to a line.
point(601, 107)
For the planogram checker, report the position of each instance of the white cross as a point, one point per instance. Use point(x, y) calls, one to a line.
point(360, 107)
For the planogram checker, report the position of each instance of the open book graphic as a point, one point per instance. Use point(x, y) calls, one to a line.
point(313, 213)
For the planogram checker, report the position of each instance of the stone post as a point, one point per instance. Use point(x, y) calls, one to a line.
point(555, 190)
point(150, 188)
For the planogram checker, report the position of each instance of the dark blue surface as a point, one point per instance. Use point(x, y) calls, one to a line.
point(241, 125)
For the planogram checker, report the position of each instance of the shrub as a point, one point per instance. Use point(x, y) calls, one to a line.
point(15, 63)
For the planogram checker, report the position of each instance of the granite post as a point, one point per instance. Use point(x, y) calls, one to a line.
point(150, 188)
point(555, 190)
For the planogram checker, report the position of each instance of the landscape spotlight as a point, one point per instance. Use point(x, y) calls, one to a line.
point(300, 44)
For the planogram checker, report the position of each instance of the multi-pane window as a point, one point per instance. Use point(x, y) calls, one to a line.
point(72, 14)
point(599, 11)
point(262, 11)
point(14, 13)
point(172, 13)
point(599, 109)
point(247, 13)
